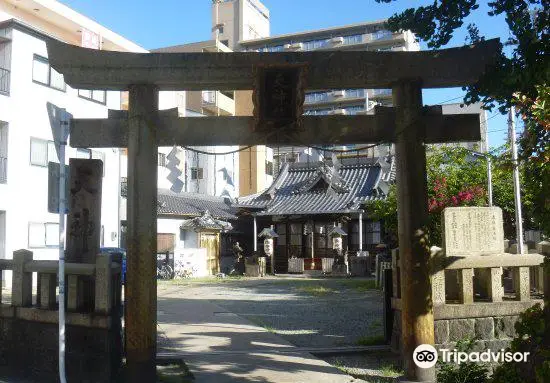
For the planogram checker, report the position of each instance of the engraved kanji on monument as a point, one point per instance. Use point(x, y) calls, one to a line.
point(278, 97)
point(84, 218)
point(472, 231)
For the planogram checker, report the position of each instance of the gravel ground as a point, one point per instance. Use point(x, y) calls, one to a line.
point(379, 367)
point(322, 312)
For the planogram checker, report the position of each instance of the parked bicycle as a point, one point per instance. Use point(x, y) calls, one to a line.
point(184, 270)
point(165, 272)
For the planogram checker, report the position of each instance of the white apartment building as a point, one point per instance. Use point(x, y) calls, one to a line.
point(27, 84)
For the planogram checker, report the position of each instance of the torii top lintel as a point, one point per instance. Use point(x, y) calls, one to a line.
point(91, 69)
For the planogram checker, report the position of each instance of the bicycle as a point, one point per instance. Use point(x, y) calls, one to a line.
point(183, 270)
point(165, 272)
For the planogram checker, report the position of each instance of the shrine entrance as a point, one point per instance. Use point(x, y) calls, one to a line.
point(211, 242)
point(279, 81)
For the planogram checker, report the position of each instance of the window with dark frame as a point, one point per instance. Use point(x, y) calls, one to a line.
point(196, 173)
point(161, 161)
point(44, 74)
point(99, 96)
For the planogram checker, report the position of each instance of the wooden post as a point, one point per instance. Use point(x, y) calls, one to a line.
point(412, 201)
point(141, 288)
point(360, 231)
point(255, 233)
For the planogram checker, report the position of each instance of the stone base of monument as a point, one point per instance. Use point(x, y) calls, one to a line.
point(339, 270)
point(255, 267)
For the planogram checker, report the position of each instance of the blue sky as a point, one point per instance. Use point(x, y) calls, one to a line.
point(154, 24)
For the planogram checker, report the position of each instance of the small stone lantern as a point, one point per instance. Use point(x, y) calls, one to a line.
point(340, 265)
point(268, 234)
point(336, 233)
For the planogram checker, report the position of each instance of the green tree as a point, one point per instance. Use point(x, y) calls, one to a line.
point(456, 177)
point(520, 78)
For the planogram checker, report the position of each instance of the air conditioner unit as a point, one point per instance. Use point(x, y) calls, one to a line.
point(293, 47)
point(337, 40)
point(338, 93)
point(338, 111)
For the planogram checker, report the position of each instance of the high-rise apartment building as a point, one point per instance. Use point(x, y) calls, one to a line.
point(243, 25)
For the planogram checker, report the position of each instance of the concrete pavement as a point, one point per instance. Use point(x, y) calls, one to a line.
point(219, 346)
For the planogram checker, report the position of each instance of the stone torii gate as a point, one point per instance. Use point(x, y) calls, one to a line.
point(142, 129)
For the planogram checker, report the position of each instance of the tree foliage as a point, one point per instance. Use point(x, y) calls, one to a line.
point(458, 177)
point(519, 78)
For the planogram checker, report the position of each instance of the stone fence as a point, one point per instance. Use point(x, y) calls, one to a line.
point(29, 329)
point(477, 296)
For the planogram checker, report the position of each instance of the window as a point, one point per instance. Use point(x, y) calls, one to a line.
point(314, 44)
point(42, 152)
point(43, 234)
point(161, 161)
point(353, 39)
point(220, 29)
point(124, 187)
point(93, 95)
point(83, 153)
point(354, 109)
point(44, 74)
point(196, 173)
point(355, 93)
point(372, 230)
point(269, 168)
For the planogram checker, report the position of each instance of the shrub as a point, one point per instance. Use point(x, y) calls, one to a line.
point(466, 372)
point(530, 330)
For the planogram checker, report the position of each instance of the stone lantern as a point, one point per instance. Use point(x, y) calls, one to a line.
point(268, 234)
point(336, 233)
point(340, 265)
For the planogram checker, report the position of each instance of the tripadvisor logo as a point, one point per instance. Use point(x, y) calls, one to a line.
point(483, 356)
point(426, 356)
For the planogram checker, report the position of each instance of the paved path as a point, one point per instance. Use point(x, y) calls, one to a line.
point(189, 324)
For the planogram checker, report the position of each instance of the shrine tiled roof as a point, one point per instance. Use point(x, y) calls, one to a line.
point(320, 188)
point(194, 205)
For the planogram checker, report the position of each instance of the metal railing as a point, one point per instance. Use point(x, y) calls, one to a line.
point(5, 75)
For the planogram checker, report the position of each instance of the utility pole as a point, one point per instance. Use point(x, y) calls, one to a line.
point(517, 191)
point(489, 165)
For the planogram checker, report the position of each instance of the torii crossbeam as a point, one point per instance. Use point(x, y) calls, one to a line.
point(143, 129)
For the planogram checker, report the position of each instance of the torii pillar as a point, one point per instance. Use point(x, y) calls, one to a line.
point(417, 320)
point(141, 286)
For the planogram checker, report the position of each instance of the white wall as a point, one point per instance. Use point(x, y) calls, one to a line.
point(24, 197)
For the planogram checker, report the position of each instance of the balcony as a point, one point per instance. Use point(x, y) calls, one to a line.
point(379, 93)
point(4, 81)
point(217, 103)
point(334, 96)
